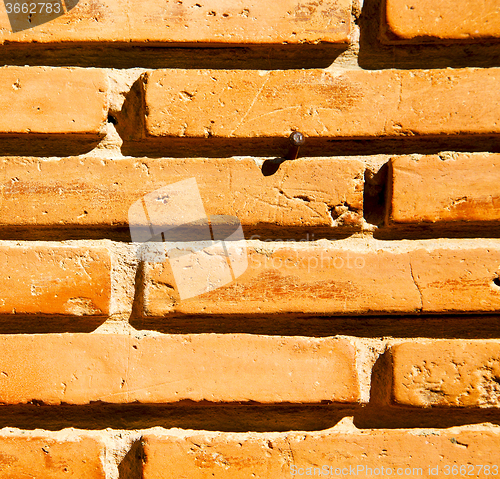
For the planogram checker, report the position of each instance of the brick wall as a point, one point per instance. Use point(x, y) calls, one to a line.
point(353, 329)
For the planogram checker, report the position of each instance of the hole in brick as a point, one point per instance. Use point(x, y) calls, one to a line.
point(496, 282)
point(374, 195)
point(112, 119)
point(344, 214)
point(338, 210)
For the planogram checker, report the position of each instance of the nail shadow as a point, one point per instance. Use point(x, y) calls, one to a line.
point(270, 167)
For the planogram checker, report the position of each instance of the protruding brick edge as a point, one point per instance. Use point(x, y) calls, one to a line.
point(462, 189)
point(43, 456)
point(145, 22)
point(123, 369)
point(96, 193)
point(296, 280)
point(46, 101)
point(55, 280)
point(454, 373)
point(199, 455)
point(427, 21)
point(224, 104)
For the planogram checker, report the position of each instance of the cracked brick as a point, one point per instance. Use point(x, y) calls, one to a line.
point(317, 280)
point(360, 453)
point(463, 189)
point(98, 193)
point(350, 104)
point(55, 280)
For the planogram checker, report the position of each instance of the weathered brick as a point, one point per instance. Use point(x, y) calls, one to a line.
point(324, 280)
point(164, 369)
point(187, 22)
point(92, 192)
point(358, 453)
point(351, 104)
point(455, 373)
point(441, 20)
point(457, 280)
point(54, 280)
point(44, 101)
point(464, 188)
point(35, 456)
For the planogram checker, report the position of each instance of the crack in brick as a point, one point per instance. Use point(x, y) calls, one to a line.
point(418, 288)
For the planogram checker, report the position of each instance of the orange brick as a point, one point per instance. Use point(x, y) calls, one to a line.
point(187, 22)
point(328, 281)
point(34, 456)
point(348, 104)
point(164, 369)
point(431, 190)
point(457, 280)
point(42, 100)
point(94, 192)
point(55, 280)
point(360, 454)
point(456, 373)
point(441, 20)
point(311, 281)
